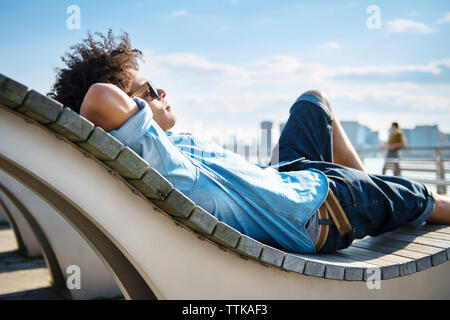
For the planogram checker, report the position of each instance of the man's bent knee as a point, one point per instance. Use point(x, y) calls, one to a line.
point(322, 96)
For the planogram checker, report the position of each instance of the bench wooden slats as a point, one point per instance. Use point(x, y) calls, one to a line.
point(417, 239)
point(425, 233)
point(70, 125)
point(389, 269)
point(313, 268)
point(399, 244)
point(294, 263)
point(435, 228)
point(12, 93)
point(153, 185)
point(129, 164)
point(41, 108)
point(272, 255)
point(249, 246)
point(225, 235)
point(438, 255)
point(102, 145)
point(176, 204)
point(200, 220)
point(336, 267)
point(423, 261)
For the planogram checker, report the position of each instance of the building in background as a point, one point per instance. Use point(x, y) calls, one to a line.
point(266, 140)
point(426, 136)
point(361, 136)
point(422, 136)
point(259, 149)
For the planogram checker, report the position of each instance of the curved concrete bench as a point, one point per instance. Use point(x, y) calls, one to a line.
point(62, 246)
point(3, 218)
point(150, 238)
point(27, 242)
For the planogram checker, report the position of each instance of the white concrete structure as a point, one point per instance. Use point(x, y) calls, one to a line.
point(69, 247)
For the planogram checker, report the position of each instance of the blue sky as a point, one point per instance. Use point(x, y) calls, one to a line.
point(229, 64)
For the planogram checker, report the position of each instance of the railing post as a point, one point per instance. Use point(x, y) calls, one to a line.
point(440, 172)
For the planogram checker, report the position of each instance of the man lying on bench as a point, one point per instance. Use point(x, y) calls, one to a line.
point(315, 197)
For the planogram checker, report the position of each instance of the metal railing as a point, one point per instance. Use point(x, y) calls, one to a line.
point(433, 159)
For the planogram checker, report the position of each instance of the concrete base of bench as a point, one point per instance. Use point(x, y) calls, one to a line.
point(62, 245)
point(3, 218)
point(26, 240)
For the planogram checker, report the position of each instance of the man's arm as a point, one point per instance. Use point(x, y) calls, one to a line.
point(107, 106)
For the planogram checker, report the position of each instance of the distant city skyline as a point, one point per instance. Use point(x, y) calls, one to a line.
point(260, 144)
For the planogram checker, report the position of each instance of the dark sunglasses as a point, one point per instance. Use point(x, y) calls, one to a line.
point(146, 89)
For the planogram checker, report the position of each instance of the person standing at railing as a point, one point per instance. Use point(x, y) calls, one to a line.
point(395, 143)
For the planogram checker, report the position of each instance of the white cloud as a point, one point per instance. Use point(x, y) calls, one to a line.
point(405, 25)
point(179, 13)
point(445, 19)
point(332, 45)
point(225, 95)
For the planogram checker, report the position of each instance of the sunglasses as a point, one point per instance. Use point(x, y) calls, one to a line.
point(147, 89)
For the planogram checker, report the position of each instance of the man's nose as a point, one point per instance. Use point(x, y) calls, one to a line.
point(161, 93)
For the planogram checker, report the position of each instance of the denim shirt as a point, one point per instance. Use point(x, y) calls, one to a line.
point(269, 206)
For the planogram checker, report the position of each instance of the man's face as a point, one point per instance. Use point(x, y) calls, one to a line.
point(162, 110)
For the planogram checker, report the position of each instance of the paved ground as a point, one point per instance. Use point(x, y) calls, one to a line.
point(22, 278)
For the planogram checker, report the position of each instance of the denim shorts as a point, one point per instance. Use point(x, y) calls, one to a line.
point(374, 204)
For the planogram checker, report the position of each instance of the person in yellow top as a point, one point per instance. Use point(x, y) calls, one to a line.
point(396, 142)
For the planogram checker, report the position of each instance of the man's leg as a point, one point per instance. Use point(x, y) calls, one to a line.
point(345, 154)
point(308, 133)
point(441, 212)
point(343, 151)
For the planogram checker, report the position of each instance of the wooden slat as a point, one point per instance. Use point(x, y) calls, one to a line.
point(389, 269)
point(102, 145)
point(225, 235)
point(176, 204)
point(272, 255)
point(12, 93)
point(200, 220)
point(423, 261)
point(337, 267)
point(249, 246)
point(435, 228)
point(426, 233)
point(354, 269)
point(41, 108)
point(314, 268)
point(129, 164)
point(437, 255)
point(294, 263)
point(417, 239)
point(152, 184)
point(72, 126)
